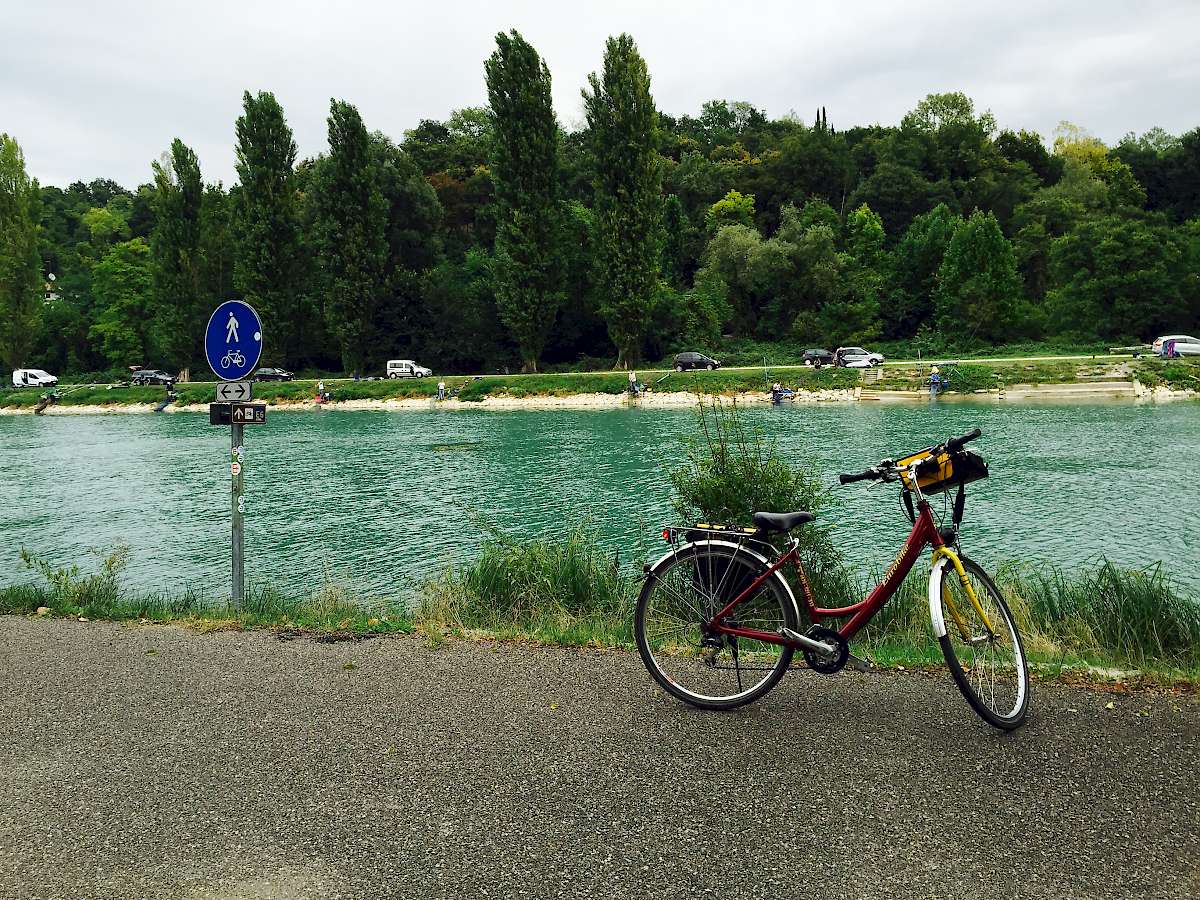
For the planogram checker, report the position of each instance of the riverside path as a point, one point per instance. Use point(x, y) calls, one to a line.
point(154, 761)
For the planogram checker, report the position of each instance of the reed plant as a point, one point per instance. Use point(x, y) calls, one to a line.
point(565, 589)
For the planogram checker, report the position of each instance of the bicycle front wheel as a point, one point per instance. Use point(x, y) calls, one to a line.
point(983, 652)
point(682, 592)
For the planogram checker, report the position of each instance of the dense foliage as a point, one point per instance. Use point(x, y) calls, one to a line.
point(497, 239)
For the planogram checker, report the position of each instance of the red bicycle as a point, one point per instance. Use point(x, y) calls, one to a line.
point(717, 623)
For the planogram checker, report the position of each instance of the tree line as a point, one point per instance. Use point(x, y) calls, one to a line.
point(497, 238)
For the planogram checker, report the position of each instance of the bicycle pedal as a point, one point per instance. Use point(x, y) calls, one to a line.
point(862, 665)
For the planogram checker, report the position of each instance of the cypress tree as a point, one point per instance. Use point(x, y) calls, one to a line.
point(525, 171)
point(624, 137)
point(352, 227)
point(20, 262)
point(267, 265)
point(179, 294)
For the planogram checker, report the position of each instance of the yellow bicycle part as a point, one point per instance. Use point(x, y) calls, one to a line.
point(970, 592)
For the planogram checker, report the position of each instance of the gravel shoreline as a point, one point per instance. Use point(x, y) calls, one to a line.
point(152, 760)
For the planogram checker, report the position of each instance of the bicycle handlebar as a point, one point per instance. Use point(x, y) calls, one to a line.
point(887, 469)
point(867, 474)
point(956, 443)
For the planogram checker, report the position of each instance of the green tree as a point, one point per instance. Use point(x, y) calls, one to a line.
point(735, 208)
point(217, 246)
point(351, 226)
point(979, 290)
point(899, 194)
point(915, 264)
point(1118, 278)
point(1051, 213)
point(1027, 147)
point(624, 137)
point(20, 264)
point(180, 298)
point(269, 265)
point(529, 264)
point(123, 284)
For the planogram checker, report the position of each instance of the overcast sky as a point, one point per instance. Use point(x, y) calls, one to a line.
point(99, 90)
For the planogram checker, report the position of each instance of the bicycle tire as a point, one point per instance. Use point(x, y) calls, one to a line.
point(963, 675)
point(698, 556)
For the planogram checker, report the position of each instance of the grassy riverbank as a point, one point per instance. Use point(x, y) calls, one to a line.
point(965, 378)
point(571, 592)
point(721, 382)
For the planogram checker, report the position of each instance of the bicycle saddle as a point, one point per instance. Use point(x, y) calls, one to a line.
point(766, 521)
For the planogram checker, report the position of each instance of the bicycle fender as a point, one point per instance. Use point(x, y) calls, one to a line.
point(935, 597)
point(762, 560)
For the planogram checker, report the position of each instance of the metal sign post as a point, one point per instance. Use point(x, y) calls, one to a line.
point(233, 343)
point(237, 467)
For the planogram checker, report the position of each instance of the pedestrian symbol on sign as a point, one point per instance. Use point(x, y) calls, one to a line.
point(231, 328)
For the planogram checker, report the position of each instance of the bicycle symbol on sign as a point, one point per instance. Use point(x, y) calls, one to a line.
point(233, 358)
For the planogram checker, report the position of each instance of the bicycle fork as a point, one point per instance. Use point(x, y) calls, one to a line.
point(940, 555)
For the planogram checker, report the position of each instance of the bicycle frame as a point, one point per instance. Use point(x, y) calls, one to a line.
point(924, 533)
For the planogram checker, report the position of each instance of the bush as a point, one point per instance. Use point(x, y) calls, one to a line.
point(732, 472)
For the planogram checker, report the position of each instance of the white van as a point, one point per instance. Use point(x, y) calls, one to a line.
point(406, 368)
point(33, 378)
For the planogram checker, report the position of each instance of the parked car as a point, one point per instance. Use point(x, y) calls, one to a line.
point(268, 373)
point(151, 376)
point(33, 378)
point(406, 368)
point(856, 358)
point(1185, 345)
point(817, 357)
point(692, 360)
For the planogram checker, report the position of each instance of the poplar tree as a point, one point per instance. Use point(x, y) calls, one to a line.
point(20, 263)
point(352, 229)
point(524, 157)
point(180, 298)
point(267, 265)
point(624, 137)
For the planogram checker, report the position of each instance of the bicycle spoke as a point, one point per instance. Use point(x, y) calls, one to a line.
point(992, 669)
point(677, 603)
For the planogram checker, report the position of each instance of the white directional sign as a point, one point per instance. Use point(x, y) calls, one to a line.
point(233, 391)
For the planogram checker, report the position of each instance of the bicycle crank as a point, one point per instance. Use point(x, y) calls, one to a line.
point(824, 649)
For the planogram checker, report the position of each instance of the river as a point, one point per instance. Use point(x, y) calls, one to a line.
point(380, 500)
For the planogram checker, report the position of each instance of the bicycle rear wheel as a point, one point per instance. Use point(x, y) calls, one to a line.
point(683, 591)
point(987, 663)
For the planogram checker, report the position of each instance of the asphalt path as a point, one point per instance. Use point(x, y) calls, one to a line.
point(153, 761)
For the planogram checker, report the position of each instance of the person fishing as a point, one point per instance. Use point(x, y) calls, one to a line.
point(935, 382)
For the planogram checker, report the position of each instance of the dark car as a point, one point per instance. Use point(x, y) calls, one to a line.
point(269, 374)
point(817, 357)
point(693, 360)
point(151, 376)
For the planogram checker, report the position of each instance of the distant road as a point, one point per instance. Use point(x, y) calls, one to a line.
point(932, 360)
point(152, 761)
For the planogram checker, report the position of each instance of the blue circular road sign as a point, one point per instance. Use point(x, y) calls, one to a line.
point(233, 340)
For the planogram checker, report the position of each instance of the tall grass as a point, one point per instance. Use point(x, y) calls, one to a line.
point(67, 591)
point(565, 588)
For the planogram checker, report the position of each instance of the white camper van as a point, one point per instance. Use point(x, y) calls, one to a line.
point(406, 368)
point(33, 378)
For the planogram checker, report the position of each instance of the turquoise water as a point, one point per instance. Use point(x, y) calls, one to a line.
point(382, 499)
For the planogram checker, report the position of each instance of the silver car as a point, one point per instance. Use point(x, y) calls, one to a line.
point(1185, 345)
